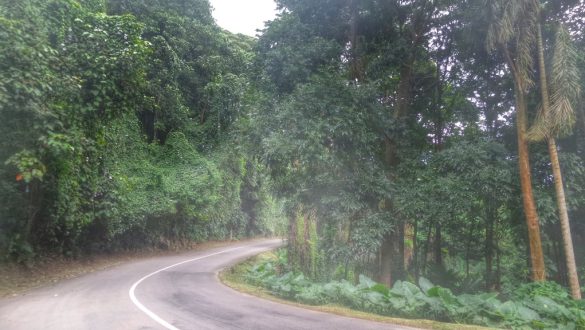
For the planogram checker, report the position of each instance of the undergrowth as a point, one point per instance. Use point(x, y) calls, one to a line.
point(531, 306)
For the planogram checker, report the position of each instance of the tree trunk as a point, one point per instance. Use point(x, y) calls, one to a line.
point(425, 254)
point(415, 250)
point(468, 250)
point(556, 168)
point(400, 260)
point(489, 251)
point(391, 158)
point(564, 219)
point(532, 223)
point(385, 276)
point(438, 246)
point(535, 243)
point(498, 280)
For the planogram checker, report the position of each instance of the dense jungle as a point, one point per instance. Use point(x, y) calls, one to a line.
point(422, 155)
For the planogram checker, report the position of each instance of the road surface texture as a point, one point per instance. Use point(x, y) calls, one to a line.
point(177, 292)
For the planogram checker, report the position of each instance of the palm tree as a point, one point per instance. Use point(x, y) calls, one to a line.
point(512, 32)
point(555, 118)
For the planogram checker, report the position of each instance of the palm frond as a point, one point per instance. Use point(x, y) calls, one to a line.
point(540, 129)
point(565, 71)
point(565, 89)
point(513, 26)
point(525, 42)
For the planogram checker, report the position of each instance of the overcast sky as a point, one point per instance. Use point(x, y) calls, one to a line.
point(243, 16)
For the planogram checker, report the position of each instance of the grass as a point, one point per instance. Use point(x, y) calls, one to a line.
point(234, 277)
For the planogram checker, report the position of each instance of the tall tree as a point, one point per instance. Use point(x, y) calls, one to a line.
point(414, 20)
point(513, 33)
point(555, 118)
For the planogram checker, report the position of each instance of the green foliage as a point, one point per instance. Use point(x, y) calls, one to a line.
point(140, 123)
point(111, 118)
point(19, 250)
point(539, 305)
point(29, 167)
point(303, 252)
point(320, 151)
point(272, 217)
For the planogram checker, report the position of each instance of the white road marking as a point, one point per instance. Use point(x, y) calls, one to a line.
point(147, 311)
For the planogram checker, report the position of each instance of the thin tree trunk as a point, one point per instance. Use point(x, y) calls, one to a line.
point(498, 281)
point(535, 243)
point(468, 250)
point(32, 211)
point(427, 246)
point(438, 244)
point(386, 260)
point(489, 251)
point(415, 250)
point(559, 189)
point(564, 219)
point(532, 223)
point(400, 260)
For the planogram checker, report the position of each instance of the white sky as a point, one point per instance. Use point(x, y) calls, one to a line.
point(243, 16)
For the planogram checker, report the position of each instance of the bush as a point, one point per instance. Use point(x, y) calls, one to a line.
point(532, 306)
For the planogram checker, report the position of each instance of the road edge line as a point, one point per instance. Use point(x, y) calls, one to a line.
point(147, 311)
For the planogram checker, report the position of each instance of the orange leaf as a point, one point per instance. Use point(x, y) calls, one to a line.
point(19, 177)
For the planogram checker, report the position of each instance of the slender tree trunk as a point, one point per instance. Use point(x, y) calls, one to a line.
point(498, 281)
point(386, 260)
point(535, 243)
point(32, 211)
point(564, 219)
point(415, 250)
point(400, 260)
point(425, 255)
point(468, 250)
point(532, 223)
point(438, 246)
point(559, 189)
point(489, 252)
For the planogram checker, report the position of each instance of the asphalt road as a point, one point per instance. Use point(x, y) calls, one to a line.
point(177, 292)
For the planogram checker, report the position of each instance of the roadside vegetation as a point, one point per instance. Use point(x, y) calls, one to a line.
point(237, 277)
point(116, 129)
point(434, 147)
point(540, 305)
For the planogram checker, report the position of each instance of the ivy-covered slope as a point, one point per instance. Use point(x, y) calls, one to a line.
point(113, 120)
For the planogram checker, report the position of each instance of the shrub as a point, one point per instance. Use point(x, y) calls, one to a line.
point(532, 306)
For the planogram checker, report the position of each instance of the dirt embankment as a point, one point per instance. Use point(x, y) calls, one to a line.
point(16, 279)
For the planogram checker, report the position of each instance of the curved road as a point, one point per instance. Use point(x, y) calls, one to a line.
point(177, 292)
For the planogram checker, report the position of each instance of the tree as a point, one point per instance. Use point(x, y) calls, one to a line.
point(110, 121)
point(555, 118)
point(512, 32)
